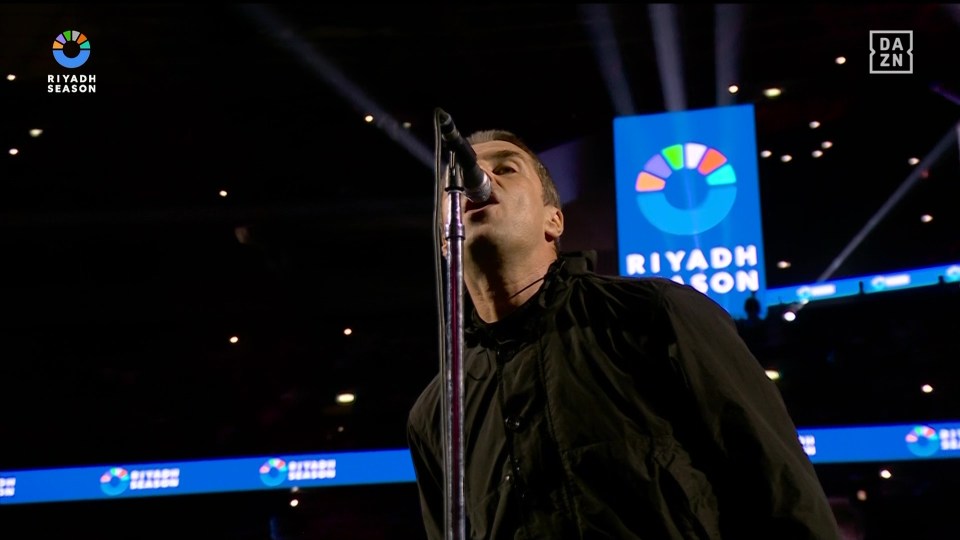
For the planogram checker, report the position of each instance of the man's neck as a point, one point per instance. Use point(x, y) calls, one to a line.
point(499, 288)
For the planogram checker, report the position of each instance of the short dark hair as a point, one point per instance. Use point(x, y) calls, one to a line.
point(550, 194)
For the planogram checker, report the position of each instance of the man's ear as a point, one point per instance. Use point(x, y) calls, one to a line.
point(553, 223)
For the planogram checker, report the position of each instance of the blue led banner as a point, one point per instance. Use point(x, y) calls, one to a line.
point(891, 281)
point(845, 444)
point(211, 476)
point(900, 442)
point(688, 201)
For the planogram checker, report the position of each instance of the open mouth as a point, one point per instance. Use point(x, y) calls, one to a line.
point(471, 206)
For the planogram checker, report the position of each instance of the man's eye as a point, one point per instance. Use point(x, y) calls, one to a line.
point(504, 169)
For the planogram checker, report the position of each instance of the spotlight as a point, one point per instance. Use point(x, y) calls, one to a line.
point(733, 89)
point(766, 154)
point(814, 124)
point(841, 60)
point(786, 158)
point(926, 389)
point(913, 161)
point(783, 264)
point(36, 132)
point(789, 316)
point(826, 145)
point(926, 218)
point(816, 153)
point(346, 398)
point(368, 118)
point(772, 92)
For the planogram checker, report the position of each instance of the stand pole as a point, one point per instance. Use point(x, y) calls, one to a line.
point(455, 522)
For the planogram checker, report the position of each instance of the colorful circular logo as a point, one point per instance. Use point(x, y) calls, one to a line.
point(273, 472)
point(923, 441)
point(953, 273)
point(64, 39)
point(115, 481)
point(704, 165)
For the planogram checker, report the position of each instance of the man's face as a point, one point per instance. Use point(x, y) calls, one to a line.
point(514, 218)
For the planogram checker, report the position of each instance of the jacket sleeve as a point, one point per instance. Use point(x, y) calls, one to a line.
point(765, 484)
point(429, 472)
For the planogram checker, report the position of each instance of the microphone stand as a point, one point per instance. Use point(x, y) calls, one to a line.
point(452, 363)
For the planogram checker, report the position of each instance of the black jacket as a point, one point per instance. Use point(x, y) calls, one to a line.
point(625, 408)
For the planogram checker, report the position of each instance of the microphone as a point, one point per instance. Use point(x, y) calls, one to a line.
point(476, 183)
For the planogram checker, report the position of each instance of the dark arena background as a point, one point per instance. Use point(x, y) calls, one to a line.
point(217, 284)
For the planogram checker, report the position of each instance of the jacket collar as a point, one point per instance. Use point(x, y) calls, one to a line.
point(523, 323)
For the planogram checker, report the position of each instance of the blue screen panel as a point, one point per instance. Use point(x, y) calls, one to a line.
point(688, 201)
point(208, 476)
point(839, 444)
point(891, 281)
point(899, 442)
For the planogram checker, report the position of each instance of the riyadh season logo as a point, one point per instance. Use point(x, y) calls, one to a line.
point(71, 50)
point(276, 471)
point(686, 189)
point(949, 439)
point(273, 472)
point(117, 480)
point(809, 443)
point(8, 487)
point(923, 441)
point(952, 274)
point(71, 39)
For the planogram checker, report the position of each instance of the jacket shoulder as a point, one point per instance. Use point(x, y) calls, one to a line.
point(424, 415)
point(648, 293)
